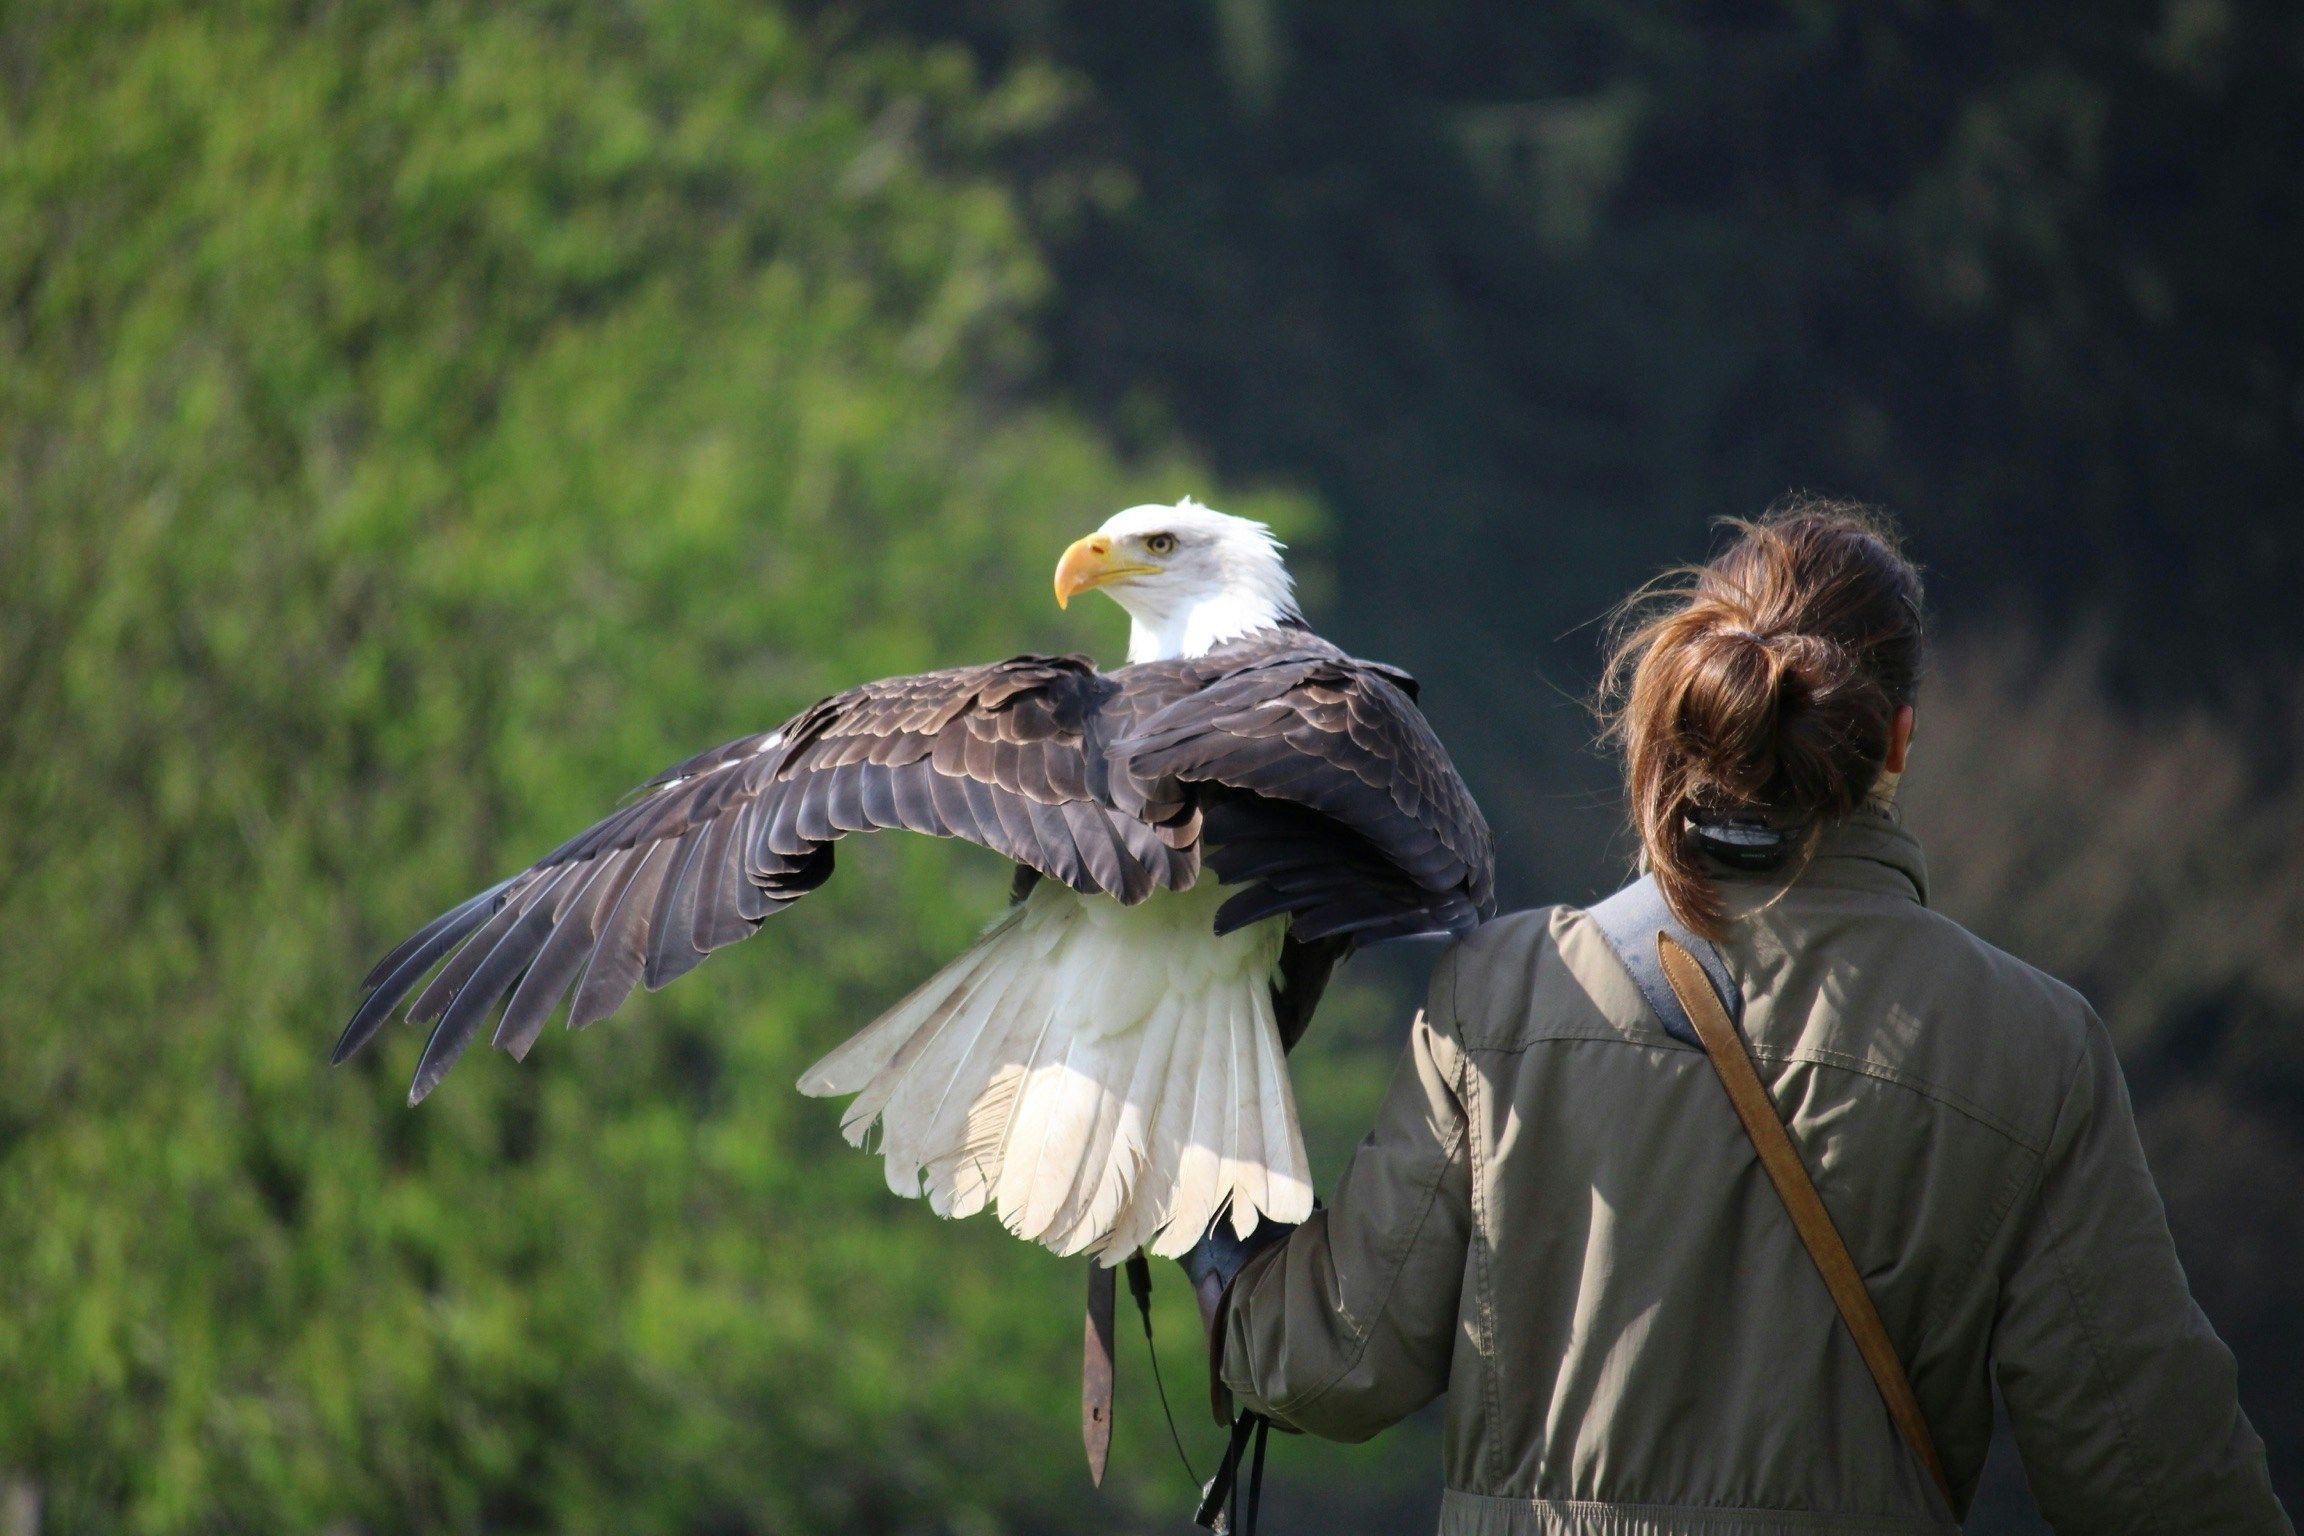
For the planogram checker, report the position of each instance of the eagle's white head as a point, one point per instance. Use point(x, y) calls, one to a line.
point(1189, 576)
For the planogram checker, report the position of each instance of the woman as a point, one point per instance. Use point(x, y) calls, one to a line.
point(1559, 1221)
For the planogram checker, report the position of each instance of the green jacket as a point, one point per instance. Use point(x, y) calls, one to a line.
point(1559, 1222)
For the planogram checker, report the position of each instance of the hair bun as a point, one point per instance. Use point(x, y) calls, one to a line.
point(1767, 684)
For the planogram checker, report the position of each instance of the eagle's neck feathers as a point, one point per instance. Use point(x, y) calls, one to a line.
point(1194, 629)
point(1251, 591)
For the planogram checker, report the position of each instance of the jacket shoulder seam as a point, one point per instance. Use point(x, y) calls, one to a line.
point(1653, 1036)
point(1995, 1220)
point(1655, 1040)
point(2088, 1332)
point(1483, 1283)
point(1921, 1087)
point(1814, 1057)
point(2086, 1322)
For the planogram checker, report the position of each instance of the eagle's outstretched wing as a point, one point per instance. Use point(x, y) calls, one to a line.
point(1002, 755)
point(1314, 776)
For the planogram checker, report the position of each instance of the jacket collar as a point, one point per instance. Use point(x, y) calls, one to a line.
point(1870, 851)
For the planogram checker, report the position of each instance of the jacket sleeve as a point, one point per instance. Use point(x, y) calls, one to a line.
point(1349, 1325)
point(2124, 1402)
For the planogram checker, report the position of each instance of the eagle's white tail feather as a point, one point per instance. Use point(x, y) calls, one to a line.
point(1251, 1174)
point(1058, 1204)
point(960, 1182)
point(1119, 1163)
point(1105, 1076)
point(922, 1116)
point(1199, 1161)
point(909, 1106)
point(867, 1054)
point(1043, 1115)
point(1225, 1088)
point(1280, 1124)
point(1170, 1117)
point(1249, 1182)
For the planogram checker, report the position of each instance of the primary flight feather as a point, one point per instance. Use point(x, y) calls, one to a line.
point(1199, 835)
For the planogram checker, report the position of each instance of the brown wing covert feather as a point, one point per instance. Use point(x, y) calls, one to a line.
point(1324, 789)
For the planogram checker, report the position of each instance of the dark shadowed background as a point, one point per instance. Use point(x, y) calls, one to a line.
point(420, 423)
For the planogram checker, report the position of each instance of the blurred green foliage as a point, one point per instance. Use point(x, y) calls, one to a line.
point(416, 426)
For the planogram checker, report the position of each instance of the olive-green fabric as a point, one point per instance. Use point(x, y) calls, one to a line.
point(1559, 1222)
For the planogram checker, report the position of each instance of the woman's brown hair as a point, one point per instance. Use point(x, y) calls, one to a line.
point(1764, 684)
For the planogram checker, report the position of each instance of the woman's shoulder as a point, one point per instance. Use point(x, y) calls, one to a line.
point(1893, 990)
point(2057, 1005)
point(1905, 995)
point(1543, 972)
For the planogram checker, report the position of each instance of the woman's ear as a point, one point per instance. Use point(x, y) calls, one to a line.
point(1899, 740)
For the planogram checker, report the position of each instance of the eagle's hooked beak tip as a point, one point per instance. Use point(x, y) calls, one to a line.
point(1087, 564)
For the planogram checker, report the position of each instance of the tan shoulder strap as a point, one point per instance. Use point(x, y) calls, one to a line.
point(1809, 1218)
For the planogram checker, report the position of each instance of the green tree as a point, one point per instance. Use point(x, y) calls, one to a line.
point(417, 425)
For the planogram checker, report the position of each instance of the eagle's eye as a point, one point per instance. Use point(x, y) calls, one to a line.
point(1161, 543)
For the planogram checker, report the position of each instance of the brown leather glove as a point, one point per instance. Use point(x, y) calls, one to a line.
point(1219, 1256)
point(1212, 1264)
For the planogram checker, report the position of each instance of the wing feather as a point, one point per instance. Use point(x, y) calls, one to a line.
point(490, 980)
point(434, 999)
point(406, 966)
point(555, 967)
point(672, 951)
point(915, 797)
point(716, 923)
point(618, 953)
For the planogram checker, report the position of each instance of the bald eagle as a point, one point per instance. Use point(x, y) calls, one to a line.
point(1105, 1065)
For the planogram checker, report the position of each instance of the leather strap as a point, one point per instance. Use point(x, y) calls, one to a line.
point(1096, 1369)
point(1733, 1062)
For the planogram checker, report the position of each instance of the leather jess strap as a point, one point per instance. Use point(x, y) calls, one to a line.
point(1814, 1223)
point(1096, 1369)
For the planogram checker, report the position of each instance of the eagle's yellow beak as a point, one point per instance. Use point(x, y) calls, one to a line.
point(1089, 564)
